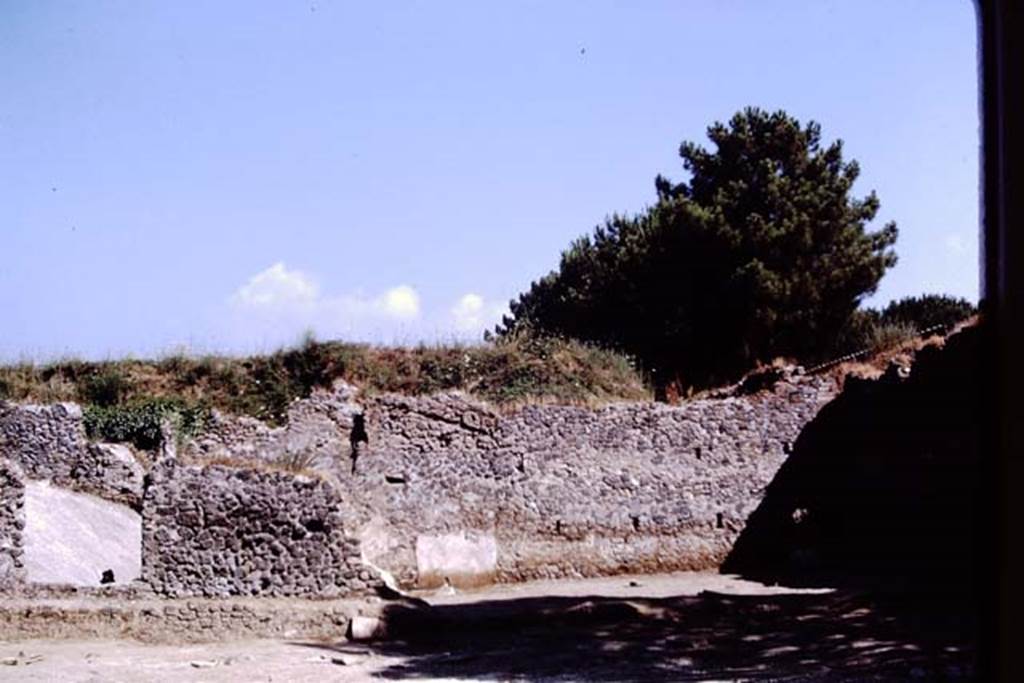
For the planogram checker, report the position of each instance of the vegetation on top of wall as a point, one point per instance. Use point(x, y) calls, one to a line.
point(901, 320)
point(126, 400)
point(140, 421)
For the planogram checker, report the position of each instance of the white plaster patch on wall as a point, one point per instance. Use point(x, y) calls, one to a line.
point(375, 539)
point(464, 560)
point(74, 537)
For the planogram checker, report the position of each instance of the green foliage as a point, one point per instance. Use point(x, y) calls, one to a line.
point(528, 366)
point(59, 381)
point(269, 384)
point(259, 386)
point(139, 422)
point(856, 335)
point(871, 328)
point(126, 400)
point(107, 386)
point(889, 335)
point(762, 253)
point(929, 310)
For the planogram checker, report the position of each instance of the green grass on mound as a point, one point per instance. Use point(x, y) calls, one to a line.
point(125, 397)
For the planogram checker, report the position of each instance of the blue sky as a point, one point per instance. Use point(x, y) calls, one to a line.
point(223, 176)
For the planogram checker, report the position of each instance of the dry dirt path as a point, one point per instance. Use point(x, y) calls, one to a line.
point(624, 628)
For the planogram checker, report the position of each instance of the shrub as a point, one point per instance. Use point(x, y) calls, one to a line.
point(530, 366)
point(298, 457)
point(107, 386)
point(140, 422)
point(928, 310)
point(872, 329)
point(888, 335)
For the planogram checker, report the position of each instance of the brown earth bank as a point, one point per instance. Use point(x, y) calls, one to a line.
point(681, 627)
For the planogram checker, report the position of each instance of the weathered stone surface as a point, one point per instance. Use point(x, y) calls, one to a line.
point(111, 471)
point(563, 491)
point(12, 524)
point(192, 620)
point(570, 491)
point(219, 531)
point(317, 431)
point(365, 628)
point(49, 442)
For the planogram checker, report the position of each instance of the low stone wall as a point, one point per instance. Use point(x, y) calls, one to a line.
point(12, 524)
point(49, 442)
point(221, 531)
point(178, 621)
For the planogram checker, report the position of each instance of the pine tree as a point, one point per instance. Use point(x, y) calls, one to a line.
point(761, 253)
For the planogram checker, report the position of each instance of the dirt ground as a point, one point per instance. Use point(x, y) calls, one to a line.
point(679, 627)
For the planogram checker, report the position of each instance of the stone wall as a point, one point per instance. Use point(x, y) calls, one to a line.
point(12, 524)
point(317, 432)
point(220, 531)
point(49, 442)
point(447, 489)
point(555, 491)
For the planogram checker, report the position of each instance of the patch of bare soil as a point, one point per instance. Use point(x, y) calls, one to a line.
point(680, 627)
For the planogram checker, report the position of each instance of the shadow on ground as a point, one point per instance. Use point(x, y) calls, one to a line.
point(835, 636)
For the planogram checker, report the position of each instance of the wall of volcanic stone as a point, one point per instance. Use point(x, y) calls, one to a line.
point(12, 523)
point(317, 431)
point(220, 531)
point(49, 442)
point(447, 485)
point(445, 488)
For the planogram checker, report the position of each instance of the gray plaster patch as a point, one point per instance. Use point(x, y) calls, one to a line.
point(74, 537)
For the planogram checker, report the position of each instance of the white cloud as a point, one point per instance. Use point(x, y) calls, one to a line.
point(276, 287)
point(278, 303)
point(401, 302)
point(466, 313)
point(471, 313)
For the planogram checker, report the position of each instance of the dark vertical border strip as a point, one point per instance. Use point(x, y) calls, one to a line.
point(1001, 47)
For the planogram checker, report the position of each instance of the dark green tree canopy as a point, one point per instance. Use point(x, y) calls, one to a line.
point(928, 310)
point(761, 253)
